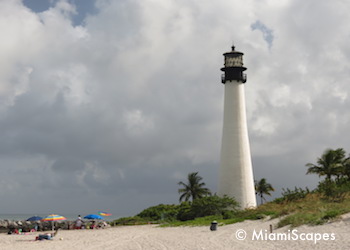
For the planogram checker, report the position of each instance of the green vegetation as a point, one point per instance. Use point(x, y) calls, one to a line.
point(295, 207)
point(127, 221)
point(206, 206)
point(160, 213)
point(201, 207)
point(262, 188)
point(312, 210)
point(292, 195)
point(329, 164)
point(194, 188)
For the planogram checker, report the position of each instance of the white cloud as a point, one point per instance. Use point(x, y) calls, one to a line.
point(137, 123)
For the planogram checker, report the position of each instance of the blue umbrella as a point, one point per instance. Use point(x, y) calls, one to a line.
point(34, 218)
point(93, 217)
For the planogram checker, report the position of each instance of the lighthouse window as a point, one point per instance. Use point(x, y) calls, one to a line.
point(233, 61)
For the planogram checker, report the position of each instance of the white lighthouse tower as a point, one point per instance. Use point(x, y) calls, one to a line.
point(236, 173)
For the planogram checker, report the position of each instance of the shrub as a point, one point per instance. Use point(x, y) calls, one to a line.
point(334, 191)
point(206, 206)
point(213, 205)
point(228, 215)
point(160, 212)
point(185, 211)
point(292, 195)
point(134, 220)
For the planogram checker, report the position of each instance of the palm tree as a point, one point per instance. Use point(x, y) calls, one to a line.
point(194, 188)
point(262, 188)
point(330, 164)
point(346, 168)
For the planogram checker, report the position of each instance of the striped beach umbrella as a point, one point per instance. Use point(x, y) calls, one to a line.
point(104, 214)
point(54, 217)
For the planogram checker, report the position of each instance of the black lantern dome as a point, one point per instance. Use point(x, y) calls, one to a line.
point(233, 67)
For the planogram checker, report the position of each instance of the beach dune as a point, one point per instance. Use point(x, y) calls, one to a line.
point(244, 235)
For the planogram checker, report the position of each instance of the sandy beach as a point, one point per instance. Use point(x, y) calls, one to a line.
point(333, 235)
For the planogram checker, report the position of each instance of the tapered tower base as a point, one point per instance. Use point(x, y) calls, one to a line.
point(236, 174)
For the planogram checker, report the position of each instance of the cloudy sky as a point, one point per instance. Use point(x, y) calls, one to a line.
point(108, 104)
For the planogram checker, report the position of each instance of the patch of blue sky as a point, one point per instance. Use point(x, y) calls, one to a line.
point(266, 32)
point(83, 8)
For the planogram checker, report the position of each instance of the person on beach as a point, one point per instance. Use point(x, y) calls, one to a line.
point(93, 225)
point(78, 223)
point(46, 236)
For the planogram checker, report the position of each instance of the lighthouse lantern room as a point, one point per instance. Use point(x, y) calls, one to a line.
point(233, 67)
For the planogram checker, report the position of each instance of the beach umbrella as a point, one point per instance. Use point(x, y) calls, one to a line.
point(93, 217)
point(34, 218)
point(104, 214)
point(53, 218)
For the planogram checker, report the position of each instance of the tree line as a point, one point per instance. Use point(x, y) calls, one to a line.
point(196, 200)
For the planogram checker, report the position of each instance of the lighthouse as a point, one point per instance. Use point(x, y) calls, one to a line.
point(236, 172)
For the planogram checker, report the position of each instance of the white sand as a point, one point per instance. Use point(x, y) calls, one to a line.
point(152, 237)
